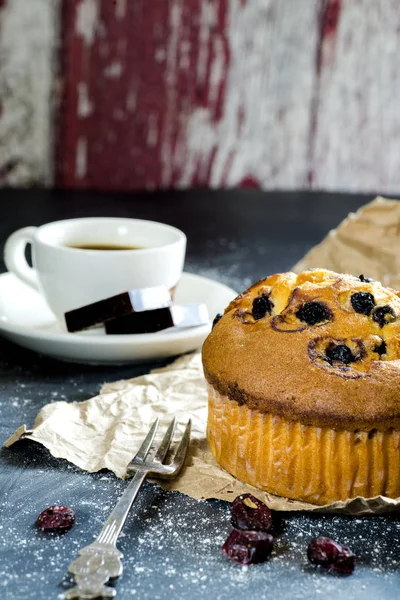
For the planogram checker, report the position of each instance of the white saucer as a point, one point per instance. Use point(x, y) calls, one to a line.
point(26, 319)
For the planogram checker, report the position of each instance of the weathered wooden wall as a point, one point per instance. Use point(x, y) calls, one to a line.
point(291, 94)
point(29, 32)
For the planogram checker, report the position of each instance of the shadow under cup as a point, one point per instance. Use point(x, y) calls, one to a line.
point(80, 261)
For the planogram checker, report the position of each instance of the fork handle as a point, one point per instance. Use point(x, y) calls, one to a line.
point(101, 561)
point(115, 522)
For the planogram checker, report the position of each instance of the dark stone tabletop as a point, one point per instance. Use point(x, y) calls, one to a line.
point(171, 543)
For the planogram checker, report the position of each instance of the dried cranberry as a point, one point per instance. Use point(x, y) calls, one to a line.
point(56, 518)
point(248, 512)
point(383, 315)
point(363, 302)
point(365, 279)
point(262, 305)
point(331, 555)
point(248, 547)
point(381, 349)
point(217, 317)
point(345, 562)
point(313, 313)
point(340, 353)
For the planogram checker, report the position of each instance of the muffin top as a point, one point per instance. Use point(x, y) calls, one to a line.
point(320, 347)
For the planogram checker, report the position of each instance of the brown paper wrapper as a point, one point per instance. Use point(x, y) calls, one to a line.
point(366, 242)
point(106, 431)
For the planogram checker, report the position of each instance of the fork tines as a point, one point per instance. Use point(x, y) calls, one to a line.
point(155, 463)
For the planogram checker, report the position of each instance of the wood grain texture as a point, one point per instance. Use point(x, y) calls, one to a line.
point(257, 132)
point(115, 93)
point(28, 36)
point(195, 93)
point(215, 93)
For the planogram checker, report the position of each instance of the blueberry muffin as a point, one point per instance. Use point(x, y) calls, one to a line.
point(303, 374)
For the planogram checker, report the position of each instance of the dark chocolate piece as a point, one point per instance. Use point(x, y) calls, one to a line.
point(120, 305)
point(150, 321)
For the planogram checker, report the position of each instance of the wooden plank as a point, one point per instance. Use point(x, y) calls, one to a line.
point(261, 136)
point(28, 40)
point(180, 93)
point(357, 132)
point(115, 88)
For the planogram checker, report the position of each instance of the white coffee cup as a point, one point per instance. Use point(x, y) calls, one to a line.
point(70, 277)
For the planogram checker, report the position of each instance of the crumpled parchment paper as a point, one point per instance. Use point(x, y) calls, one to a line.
point(106, 431)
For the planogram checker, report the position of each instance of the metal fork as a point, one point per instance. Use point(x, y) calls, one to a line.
point(101, 560)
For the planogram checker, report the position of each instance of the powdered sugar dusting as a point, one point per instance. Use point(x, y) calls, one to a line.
point(171, 543)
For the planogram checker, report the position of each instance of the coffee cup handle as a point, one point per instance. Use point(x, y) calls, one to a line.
point(14, 256)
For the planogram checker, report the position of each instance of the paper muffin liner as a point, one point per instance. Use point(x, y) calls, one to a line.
point(302, 462)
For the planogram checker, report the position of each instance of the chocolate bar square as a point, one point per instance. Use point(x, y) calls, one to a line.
point(148, 321)
point(116, 306)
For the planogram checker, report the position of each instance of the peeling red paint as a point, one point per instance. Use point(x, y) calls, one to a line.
point(141, 86)
point(330, 19)
point(218, 49)
point(125, 81)
point(250, 182)
point(140, 115)
point(328, 25)
point(329, 22)
point(201, 92)
point(145, 84)
point(7, 168)
point(71, 65)
point(222, 35)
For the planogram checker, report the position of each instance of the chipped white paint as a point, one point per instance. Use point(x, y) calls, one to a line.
point(131, 99)
point(160, 55)
point(264, 129)
point(28, 41)
point(357, 141)
point(152, 132)
point(85, 106)
point(120, 8)
point(218, 71)
point(171, 69)
point(87, 20)
point(113, 70)
point(208, 20)
point(81, 158)
point(184, 55)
